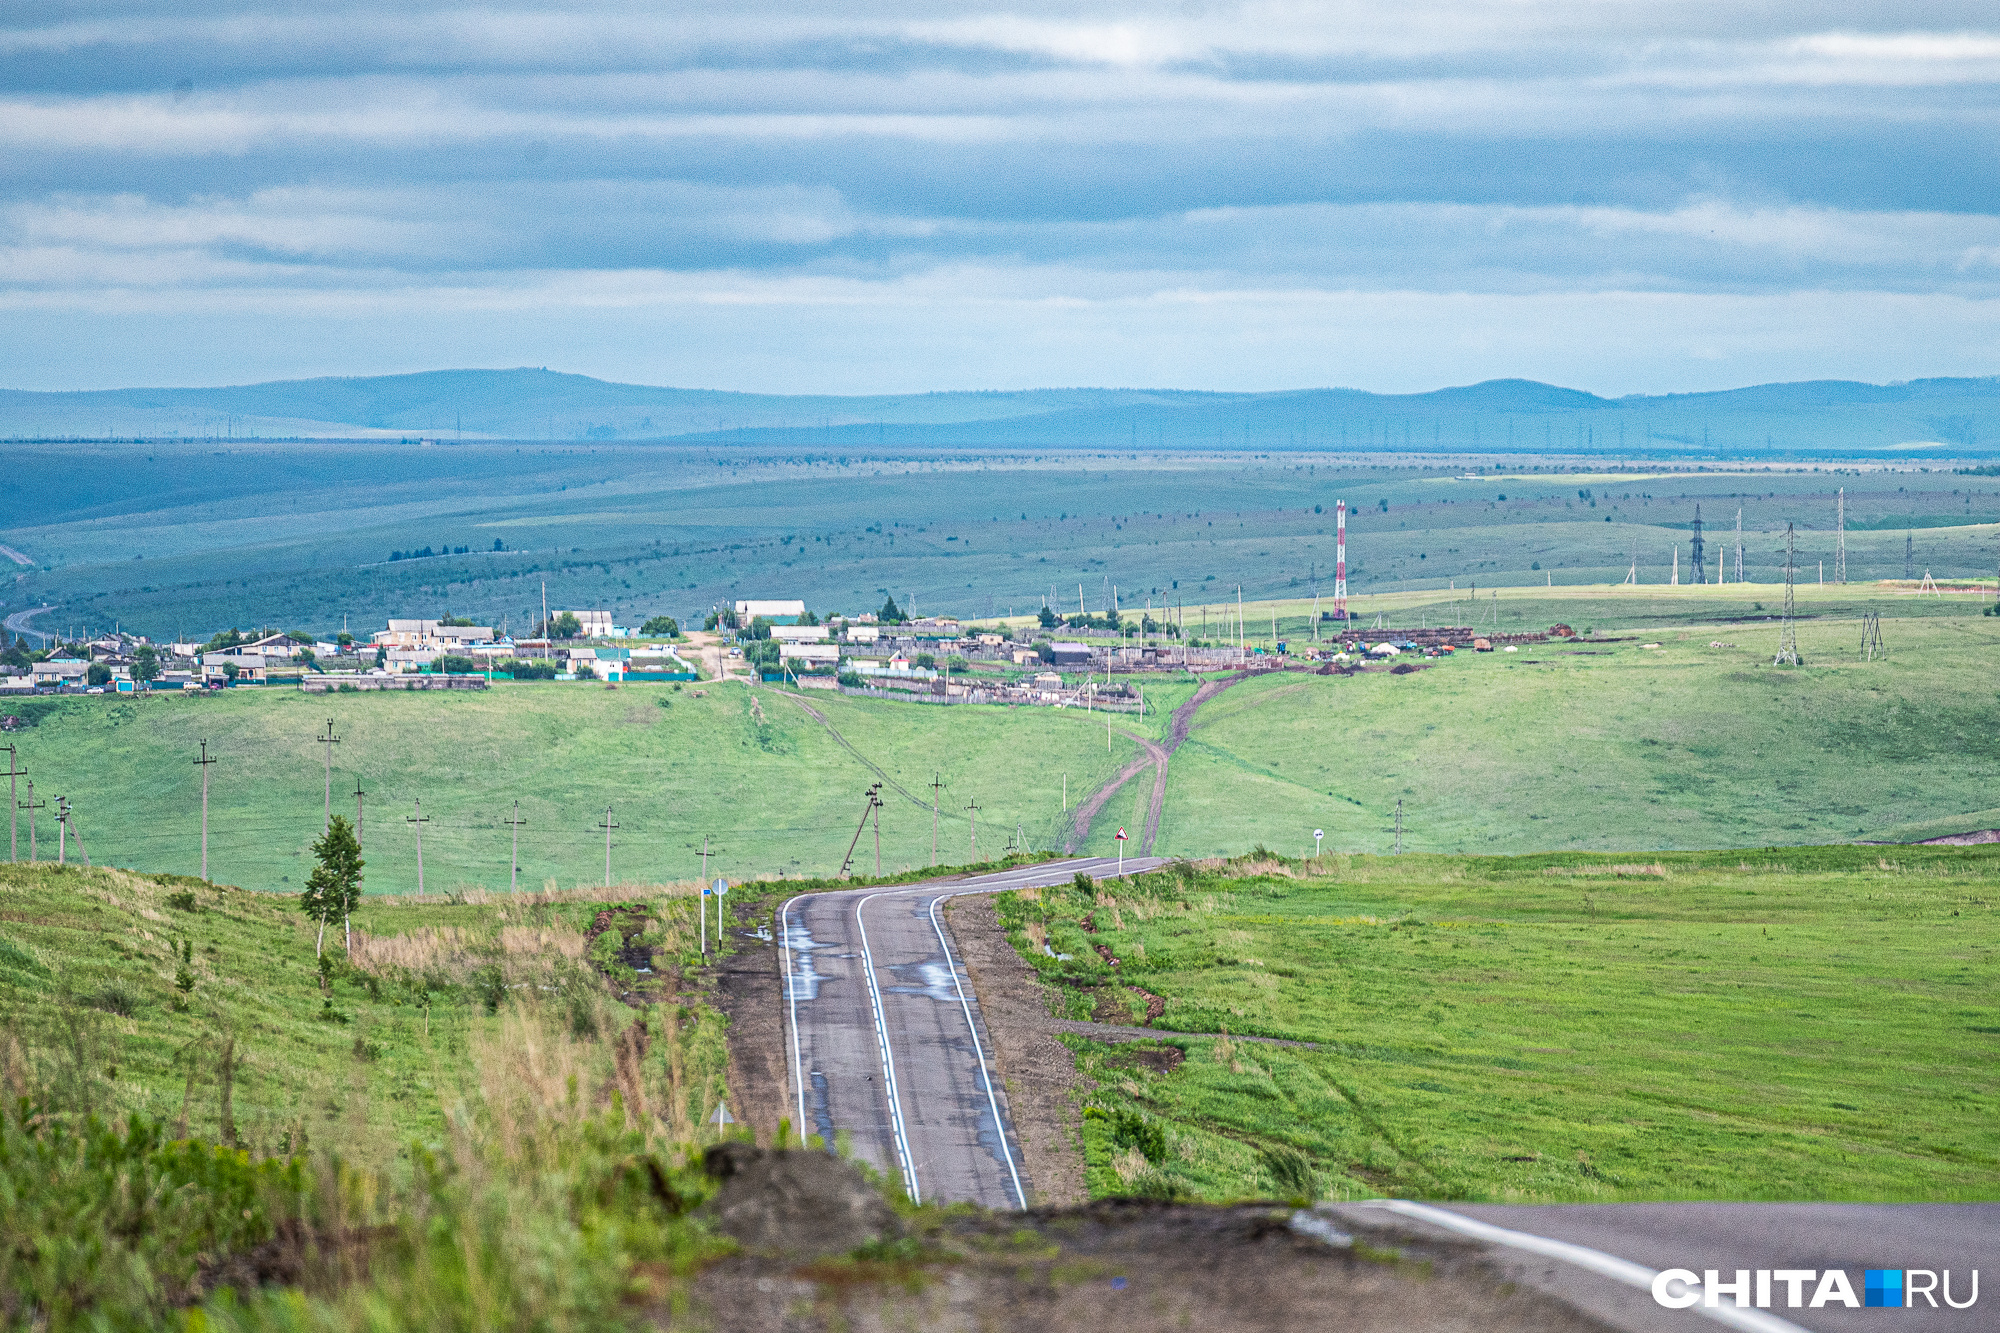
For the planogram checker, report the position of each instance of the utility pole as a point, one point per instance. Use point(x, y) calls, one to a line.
point(1840, 537)
point(1909, 556)
point(1399, 826)
point(1696, 556)
point(205, 760)
point(419, 819)
point(937, 791)
point(34, 851)
point(14, 773)
point(607, 826)
point(514, 868)
point(1788, 635)
point(873, 800)
point(326, 743)
point(1739, 543)
point(876, 811)
point(62, 830)
point(704, 858)
point(359, 797)
point(974, 808)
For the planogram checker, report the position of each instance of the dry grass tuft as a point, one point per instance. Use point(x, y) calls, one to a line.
point(455, 949)
point(1656, 869)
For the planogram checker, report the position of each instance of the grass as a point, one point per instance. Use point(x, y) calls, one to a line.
point(262, 1055)
point(1806, 1023)
point(1658, 738)
point(770, 789)
point(455, 1127)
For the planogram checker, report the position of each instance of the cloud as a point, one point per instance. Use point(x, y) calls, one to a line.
point(622, 157)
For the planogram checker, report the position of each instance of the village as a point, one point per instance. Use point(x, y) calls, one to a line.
point(1093, 662)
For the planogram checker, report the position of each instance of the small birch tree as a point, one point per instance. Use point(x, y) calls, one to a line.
point(333, 890)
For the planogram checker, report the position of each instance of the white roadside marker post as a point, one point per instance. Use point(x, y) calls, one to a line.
point(1121, 852)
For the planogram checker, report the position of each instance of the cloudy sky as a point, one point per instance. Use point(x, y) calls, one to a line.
point(867, 196)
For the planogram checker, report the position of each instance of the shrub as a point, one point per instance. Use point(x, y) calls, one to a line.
point(451, 664)
point(1131, 1130)
point(182, 900)
point(113, 998)
point(1291, 1171)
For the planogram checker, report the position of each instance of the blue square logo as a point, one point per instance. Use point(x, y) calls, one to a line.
point(1882, 1288)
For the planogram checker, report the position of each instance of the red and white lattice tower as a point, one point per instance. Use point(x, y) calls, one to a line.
point(1340, 560)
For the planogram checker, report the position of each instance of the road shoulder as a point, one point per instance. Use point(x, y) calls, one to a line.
point(1039, 1072)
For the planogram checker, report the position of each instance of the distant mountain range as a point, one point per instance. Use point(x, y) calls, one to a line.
point(1824, 418)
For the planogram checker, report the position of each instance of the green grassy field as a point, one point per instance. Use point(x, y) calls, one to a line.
point(1644, 734)
point(1810, 1023)
point(772, 789)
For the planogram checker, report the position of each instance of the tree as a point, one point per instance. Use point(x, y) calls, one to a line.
point(98, 674)
point(333, 890)
point(230, 670)
point(1047, 618)
point(345, 639)
point(224, 641)
point(145, 664)
point(566, 626)
point(452, 664)
point(665, 627)
point(890, 614)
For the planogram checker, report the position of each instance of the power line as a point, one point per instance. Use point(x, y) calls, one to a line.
point(607, 826)
point(419, 821)
point(205, 760)
point(326, 744)
point(1788, 635)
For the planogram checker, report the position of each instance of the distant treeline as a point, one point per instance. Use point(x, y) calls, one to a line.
point(498, 545)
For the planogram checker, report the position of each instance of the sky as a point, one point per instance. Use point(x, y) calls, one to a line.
point(838, 197)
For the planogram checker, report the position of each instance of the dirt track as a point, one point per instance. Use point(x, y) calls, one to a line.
point(1156, 755)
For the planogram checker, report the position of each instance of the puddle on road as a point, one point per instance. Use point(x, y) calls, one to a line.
point(930, 978)
point(804, 979)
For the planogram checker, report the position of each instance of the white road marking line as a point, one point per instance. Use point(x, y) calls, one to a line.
point(999, 1125)
point(792, 1000)
point(888, 1060)
point(1596, 1261)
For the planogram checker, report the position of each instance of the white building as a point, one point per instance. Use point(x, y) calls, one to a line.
point(801, 633)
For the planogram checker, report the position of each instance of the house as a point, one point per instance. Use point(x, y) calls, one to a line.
point(1047, 680)
point(863, 633)
point(801, 633)
point(992, 640)
point(778, 613)
point(596, 624)
point(431, 634)
point(249, 666)
point(809, 654)
point(59, 672)
point(1026, 657)
point(1071, 654)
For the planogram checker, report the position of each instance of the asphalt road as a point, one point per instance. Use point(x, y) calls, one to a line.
point(18, 623)
point(887, 1049)
point(1732, 1236)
